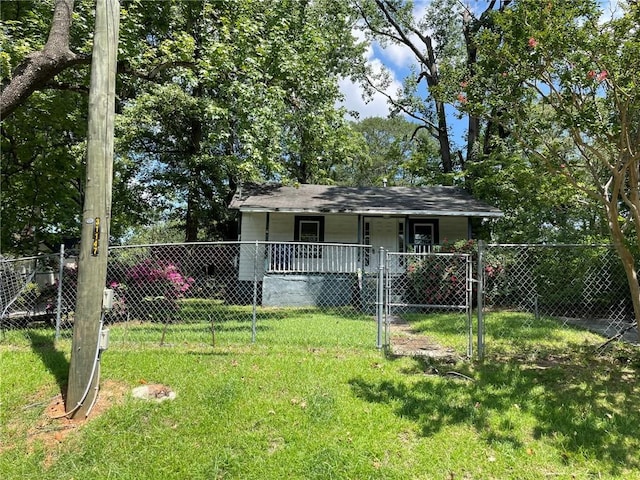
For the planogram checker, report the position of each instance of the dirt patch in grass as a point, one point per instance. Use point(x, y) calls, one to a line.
point(405, 341)
point(53, 427)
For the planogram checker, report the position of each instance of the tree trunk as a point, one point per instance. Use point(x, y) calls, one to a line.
point(628, 261)
point(192, 221)
point(443, 139)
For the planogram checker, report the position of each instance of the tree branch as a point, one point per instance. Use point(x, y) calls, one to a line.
point(428, 62)
point(40, 67)
point(430, 126)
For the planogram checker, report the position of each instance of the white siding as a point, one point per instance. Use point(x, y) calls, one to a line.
point(252, 228)
point(281, 226)
point(337, 229)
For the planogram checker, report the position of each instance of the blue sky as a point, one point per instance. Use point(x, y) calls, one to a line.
point(398, 60)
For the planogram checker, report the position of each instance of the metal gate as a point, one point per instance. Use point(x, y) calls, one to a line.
point(427, 304)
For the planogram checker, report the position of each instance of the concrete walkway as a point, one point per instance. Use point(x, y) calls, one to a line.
point(606, 327)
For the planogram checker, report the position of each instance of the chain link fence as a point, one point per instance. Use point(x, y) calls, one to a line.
point(428, 304)
point(195, 293)
point(533, 293)
point(208, 293)
point(526, 296)
point(37, 292)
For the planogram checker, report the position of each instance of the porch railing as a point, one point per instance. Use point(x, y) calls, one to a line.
point(300, 257)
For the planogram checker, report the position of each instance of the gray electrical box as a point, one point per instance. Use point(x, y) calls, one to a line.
point(107, 299)
point(104, 339)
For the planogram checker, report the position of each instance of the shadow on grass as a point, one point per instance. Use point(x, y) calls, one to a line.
point(585, 407)
point(54, 360)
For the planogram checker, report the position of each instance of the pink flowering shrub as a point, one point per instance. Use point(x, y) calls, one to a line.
point(165, 276)
point(440, 280)
point(152, 289)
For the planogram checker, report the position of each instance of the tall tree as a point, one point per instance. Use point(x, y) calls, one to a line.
point(43, 139)
point(441, 41)
point(391, 151)
point(252, 89)
point(577, 72)
point(212, 93)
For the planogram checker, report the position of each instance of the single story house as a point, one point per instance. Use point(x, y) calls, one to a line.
point(398, 219)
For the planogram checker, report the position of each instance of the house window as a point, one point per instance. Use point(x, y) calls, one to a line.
point(423, 234)
point(309, 230)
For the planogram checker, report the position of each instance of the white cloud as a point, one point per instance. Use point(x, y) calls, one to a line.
point(398, 55)
point(354, 101)
point(394, 58)
point(375, 106)
point(354, 94)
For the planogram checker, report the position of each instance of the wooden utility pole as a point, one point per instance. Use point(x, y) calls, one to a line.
point(84, 371)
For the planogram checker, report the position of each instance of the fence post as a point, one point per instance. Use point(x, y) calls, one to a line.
point(380, 302)
point(469, 303)
point(255, 293)
point(59, 297)
point(480, 299)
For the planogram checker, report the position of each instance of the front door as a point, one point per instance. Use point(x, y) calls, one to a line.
point(381, 232)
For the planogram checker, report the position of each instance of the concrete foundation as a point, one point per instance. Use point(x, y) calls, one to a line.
point(308, 290)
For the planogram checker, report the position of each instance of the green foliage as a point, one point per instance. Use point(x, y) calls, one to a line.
point(210, 94)
point(395, 150)
point(39, 156)
point(252, 89)
point(561, 78)
point(537, 207)
point(43, 143)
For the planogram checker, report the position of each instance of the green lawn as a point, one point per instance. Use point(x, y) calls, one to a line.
point(313, 398)
point(507, 334)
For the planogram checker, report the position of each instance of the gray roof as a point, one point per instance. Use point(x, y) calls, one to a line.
point(433, 201)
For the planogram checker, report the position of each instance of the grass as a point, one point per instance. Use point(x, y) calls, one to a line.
point(313, 399)
point(507, 333)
